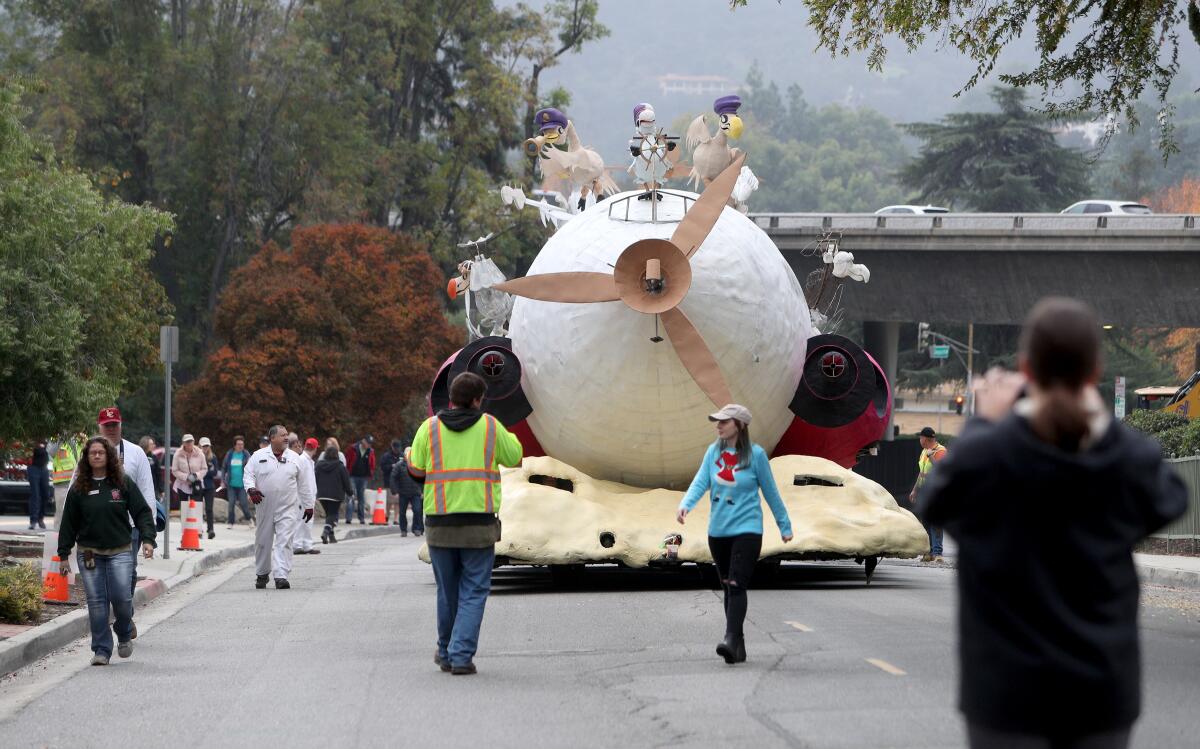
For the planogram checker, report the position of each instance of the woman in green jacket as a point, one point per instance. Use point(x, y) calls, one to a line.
point(96, 517)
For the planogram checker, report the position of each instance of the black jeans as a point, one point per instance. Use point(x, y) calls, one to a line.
point(331, 507)
point(981, 737)
point(209, 500)
point(735, 557)
point(417, 503)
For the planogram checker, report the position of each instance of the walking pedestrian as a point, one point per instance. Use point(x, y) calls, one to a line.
point(188, 467)
point(136, 466)
point(212, 477)
point(1046, 498)
point(275, 483)
point(931, 452)
point(96, 516)
point(733, 472)
point(302, 543)
point(457, 454)
point(333, 486)
point(40, 489)
point(150, 447)
point(408, 494)
point(233, 468)
point(386, 464)
point(360, 460)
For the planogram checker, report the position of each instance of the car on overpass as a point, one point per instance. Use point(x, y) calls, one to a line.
point(910, 209)
point(1127, 207)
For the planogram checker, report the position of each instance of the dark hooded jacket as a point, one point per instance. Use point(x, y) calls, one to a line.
point(1048, 592)
point(333, 480)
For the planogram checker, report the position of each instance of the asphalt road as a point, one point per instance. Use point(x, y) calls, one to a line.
point(624, 659)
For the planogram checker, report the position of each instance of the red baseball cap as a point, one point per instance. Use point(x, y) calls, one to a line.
point(311, 443)
point(109, 415)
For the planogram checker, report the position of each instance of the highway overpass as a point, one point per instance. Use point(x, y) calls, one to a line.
point(992, 267)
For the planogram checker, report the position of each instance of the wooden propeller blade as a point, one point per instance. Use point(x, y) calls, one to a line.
point(703, 214)
point(571, 286)
point(696, 357)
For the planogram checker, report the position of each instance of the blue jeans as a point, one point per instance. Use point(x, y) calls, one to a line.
point(135, 548)
point(417, 503)
point(360, 488)
point(234, 495)
point(39, 493)
point(935, 541)
point(464, 579)
point(108, 585)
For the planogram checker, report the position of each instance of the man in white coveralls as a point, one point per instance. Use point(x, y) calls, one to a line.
point(275, 482)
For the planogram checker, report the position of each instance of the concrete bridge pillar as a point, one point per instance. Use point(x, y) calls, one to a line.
point(882, 341)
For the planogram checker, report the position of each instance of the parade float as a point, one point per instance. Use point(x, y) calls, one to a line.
point(643, 313)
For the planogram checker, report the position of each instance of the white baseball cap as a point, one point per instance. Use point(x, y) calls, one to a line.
point(731, 411)
point(187, 438)
point(205, 442)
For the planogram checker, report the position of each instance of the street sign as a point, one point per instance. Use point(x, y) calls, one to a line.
point(168, 344)
point(939, 351)
point(1119, 398)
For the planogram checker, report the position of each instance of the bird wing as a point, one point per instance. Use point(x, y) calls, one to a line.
point(697, 133)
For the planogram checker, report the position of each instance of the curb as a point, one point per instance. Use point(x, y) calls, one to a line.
point(27, 647)
point(1168, 576)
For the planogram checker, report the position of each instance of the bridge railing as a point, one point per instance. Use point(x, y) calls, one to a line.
point(1039, 222)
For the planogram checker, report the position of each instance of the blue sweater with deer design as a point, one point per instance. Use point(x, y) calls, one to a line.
point(733, 492)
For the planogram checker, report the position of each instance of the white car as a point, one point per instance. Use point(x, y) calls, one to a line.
point(1109, 206)
point(892, 209)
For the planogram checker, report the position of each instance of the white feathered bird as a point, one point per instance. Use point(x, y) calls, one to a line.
point(711, 152)
point(578, 165)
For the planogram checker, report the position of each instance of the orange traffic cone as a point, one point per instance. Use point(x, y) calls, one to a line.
point(54, 583)
point(379, 517)
point(191, 528)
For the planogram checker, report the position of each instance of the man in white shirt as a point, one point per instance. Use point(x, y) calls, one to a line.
point(276, 483)
point(136, 466)
point(303, 541)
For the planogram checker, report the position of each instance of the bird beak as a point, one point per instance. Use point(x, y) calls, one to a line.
point(550, 136)
point(456, 286)
point(735, 127)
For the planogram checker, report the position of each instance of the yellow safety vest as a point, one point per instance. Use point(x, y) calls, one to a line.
point(461, 476)
point(925, 463)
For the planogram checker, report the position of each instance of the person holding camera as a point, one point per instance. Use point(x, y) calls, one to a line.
point(188, 467)
point(96, 517)
point(1046, 495)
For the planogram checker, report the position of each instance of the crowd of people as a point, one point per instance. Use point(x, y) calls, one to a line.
point(1047, 607)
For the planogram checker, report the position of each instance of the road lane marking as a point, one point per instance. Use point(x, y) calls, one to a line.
point(799, 626)
point(885, 666)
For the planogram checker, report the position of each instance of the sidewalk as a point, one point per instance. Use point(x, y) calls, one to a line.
point(31, 643)
point(1172, 571)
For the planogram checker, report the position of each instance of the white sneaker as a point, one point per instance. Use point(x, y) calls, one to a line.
point(99, 660)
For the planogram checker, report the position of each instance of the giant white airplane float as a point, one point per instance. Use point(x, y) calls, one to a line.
point(637, 319)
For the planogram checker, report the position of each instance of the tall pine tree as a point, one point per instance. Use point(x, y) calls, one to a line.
point(995, 161)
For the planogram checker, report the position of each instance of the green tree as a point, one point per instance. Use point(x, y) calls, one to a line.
point(79, 309)
point(1109, 52)
point(995, 161)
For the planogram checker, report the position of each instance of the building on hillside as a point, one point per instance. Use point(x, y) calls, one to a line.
point(695, 85)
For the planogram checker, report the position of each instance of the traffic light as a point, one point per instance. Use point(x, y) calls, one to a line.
point(958, 404)
point(922, 336)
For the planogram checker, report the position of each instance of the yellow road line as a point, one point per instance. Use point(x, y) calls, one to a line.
point(799, 626)
point(885, 666)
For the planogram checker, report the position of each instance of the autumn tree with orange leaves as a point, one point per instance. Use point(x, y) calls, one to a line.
point(1181, 198)
point(341, 334)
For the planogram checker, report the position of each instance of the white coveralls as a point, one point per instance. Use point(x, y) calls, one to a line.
point(304, 539)
point(285, 488)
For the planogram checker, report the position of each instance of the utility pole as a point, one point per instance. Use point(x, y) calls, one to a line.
point(168, 344)
point(970, 368)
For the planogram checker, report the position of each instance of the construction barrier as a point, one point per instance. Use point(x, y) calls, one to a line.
point(190, 541)
point(54, 583)
point(379, 516)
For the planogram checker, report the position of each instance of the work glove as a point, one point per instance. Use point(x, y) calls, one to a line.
point(635, 150)
point(255, 495)
point(308, 515)
point(670, 145)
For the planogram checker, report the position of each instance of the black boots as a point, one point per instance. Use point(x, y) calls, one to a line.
point(260, 582)
point(732, 648)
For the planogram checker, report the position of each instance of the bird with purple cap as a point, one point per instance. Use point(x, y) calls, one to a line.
point(711, 152)
point(579, 167)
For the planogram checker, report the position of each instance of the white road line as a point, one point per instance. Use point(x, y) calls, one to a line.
point(799, 626)
point(885, 666)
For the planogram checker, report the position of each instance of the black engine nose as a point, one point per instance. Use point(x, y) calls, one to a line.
point(838, 383)
point(492, 359)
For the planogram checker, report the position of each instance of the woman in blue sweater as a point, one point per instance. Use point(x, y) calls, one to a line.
point(733, 472)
